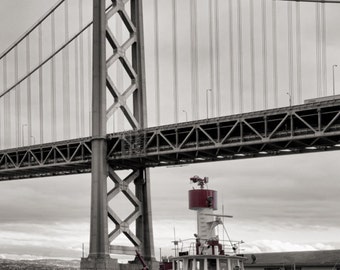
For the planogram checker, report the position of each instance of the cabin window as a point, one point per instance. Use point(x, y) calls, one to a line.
point(235, 264)
point(211, 264)
point(199, 264)
point(224, 265)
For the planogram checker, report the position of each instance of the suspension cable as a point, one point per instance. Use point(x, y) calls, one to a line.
point(157, 84)
point(264, 53)
point(240, 55)
point(252, 53)
point(29, 92)
point(7, 101)
point(76, 78)
point(217, 58)
point(324, 48)
point(89, 75)
point(41, 95)
point(231, 56)
point(66, 78)
point(290, 53)
point(211, 56)
point(81, 72)
point(194, 60)
point(298, 52)
point(17, 97)
point(175, 60)
point(53, 83)
point(274, 44)
point(318, 71)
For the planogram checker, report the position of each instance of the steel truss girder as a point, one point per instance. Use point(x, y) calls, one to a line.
point(289, 130)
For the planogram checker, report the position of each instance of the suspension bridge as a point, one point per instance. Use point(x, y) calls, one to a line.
point(217, 80)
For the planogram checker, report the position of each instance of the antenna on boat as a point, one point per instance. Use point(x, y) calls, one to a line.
point(223, 220)
point(175, 242)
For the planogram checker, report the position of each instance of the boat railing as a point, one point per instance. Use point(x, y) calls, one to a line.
point(188, 247)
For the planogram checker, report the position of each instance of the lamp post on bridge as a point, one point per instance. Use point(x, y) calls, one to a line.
point(207, 100)
point(23, 134)
point(33, 139)
point(290, 99)
point(186, 115)
point(333, 67)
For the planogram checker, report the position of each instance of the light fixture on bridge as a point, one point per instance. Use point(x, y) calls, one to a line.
point(290, 98)
point(207, 100)
point(240, 155)
point(310, 148)
point(220, 157)
point(333, 67)
point(263, 152)
point(285, 150)
point(186, 115)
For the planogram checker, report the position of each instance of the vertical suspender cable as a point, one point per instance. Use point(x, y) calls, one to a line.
point(298, 53)
point(41, 96)
point(81, 71)
point(194, 60)
point(17, 97)
point(175, 60)
point(240, 55)
point(231, 56)
point(7, 101)
point(211, 55)
point(274, 44)
point(290, 53)
point(252, 53)
point(53, 83)
point(76, 78)
point(89, 75)
point(66, 78)
point(318, 71)
point(156, 33)
point(264, 53)
point(217, 59)
point(1, 122)
point(323, 48)
point(29, 94)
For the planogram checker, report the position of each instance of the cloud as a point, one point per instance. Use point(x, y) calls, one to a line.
point(53, 240)
point(300, 189)
point(281, 246)
point(45, 200)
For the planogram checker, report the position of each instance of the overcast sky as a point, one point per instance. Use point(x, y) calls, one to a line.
point(278, 203)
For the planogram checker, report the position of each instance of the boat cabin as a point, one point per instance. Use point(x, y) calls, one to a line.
point(208, 262)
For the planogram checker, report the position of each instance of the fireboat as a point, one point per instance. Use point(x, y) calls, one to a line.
point(205, 252)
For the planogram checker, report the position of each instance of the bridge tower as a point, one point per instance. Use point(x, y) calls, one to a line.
point(102, 171)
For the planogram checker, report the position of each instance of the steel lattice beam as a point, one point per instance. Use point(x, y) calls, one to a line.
point(298, 129)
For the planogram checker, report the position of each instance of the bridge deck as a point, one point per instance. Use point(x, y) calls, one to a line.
point(289, 130)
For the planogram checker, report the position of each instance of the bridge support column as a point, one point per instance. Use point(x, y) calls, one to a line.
point(99, 257)
point(100, 240)
point(144, 228)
